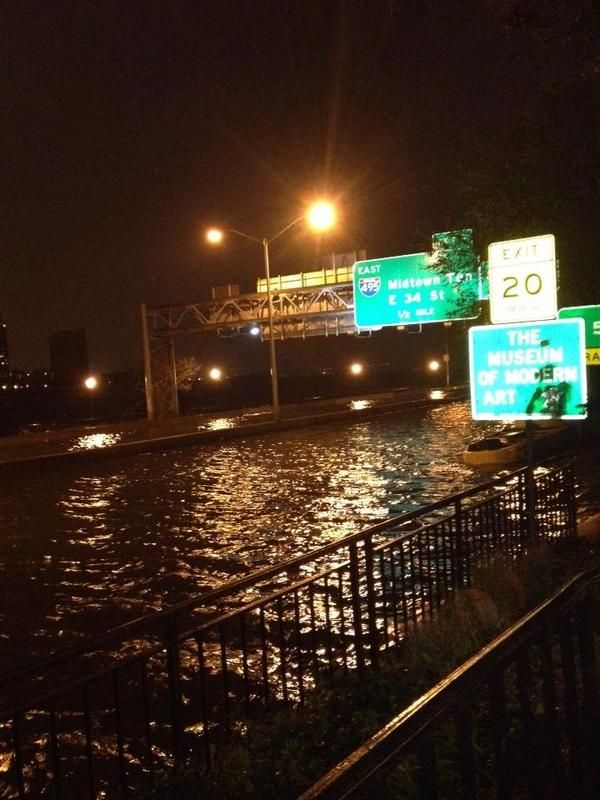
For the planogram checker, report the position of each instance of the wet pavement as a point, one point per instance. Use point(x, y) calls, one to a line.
point(140, 435)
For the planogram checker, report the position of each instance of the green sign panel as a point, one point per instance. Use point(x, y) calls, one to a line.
point(533, 370)
point(591, 319)
point(404, 290)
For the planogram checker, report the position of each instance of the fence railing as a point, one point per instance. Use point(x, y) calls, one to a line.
point(521, 719)
point(176, 684)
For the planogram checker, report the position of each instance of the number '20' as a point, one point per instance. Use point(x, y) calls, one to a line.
point(532, 285)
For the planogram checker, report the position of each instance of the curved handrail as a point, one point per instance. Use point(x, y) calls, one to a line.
point(400, 733)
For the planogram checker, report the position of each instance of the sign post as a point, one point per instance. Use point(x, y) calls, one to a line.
point(522, 275)
point(591, 320)
point(528, 371)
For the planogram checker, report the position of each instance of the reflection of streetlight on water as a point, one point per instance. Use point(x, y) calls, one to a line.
point(320, 217)
point(91, 384)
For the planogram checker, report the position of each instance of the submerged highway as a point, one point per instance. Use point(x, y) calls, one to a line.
point(88, 546)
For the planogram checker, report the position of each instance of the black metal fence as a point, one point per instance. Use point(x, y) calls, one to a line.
point(99, 722)
point(519, 720)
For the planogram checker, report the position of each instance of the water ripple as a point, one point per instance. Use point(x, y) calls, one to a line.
point(88, 547)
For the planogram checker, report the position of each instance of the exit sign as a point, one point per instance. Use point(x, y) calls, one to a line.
point(404, 290)
point(528, 371)
point(591, 320)
point(522, 275)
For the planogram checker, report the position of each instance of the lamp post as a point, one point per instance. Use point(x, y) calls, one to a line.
point(320, 217)
point(91, 384)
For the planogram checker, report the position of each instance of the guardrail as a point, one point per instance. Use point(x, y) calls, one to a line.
point(100, 720)
point(521, 719)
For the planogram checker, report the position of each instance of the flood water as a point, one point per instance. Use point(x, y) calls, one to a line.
point(88, 547)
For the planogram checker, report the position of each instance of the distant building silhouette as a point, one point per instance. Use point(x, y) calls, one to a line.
point(69, 357)
point(4, 367)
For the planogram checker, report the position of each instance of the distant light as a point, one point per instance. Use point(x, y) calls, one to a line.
point(434, 365)
point(90, 383)
point(254, 330)
point(436, 394)
point(95, 440)
point(214, 235)
point(360, 405)
point(321, 215)
point(215, 374)
point(220, 424)
point(356, 368)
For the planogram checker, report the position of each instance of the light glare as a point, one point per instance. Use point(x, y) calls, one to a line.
point(214, 236)
point(215, 374)
point(321, 216)
point(90, 383)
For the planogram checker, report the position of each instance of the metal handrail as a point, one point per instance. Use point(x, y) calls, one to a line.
point(400, 736)
point(197, 677)
point(157, 620)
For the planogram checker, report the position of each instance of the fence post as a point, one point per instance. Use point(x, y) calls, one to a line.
point(459, 545)
point(371, 604)
point(530, 486)
point(356, 606)
point(571, 500)
point(172, 647)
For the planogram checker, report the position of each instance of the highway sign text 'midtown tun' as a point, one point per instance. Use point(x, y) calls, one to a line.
point(404, 290)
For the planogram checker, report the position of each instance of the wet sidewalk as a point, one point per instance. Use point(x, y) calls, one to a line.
point(109, 439)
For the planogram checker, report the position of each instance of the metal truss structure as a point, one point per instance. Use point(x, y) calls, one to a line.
point(301, 312)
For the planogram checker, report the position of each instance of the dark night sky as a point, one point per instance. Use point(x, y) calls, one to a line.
point(126, 126)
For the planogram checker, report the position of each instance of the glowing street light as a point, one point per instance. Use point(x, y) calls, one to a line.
point(91, 384)
point(214, 236)
point(215, 374)
point(320, 217)
point(356, 368)
point(433, 365)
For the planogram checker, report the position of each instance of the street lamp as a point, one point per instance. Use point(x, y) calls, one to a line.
point(91, 384)
point(320, 216)
point(356, 368)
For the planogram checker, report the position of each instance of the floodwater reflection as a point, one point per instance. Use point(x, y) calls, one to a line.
point(92, 440)
point(88, 547)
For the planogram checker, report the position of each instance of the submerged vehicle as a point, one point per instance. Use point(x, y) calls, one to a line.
point(510, 444)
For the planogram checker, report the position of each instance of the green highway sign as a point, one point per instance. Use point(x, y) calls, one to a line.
point(591, 320)
point(404, 290)
point(533, 370)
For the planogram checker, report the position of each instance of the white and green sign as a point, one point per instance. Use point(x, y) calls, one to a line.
point(591, 320)
point(528, 371)
point(522, 275)
point(404, 290)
